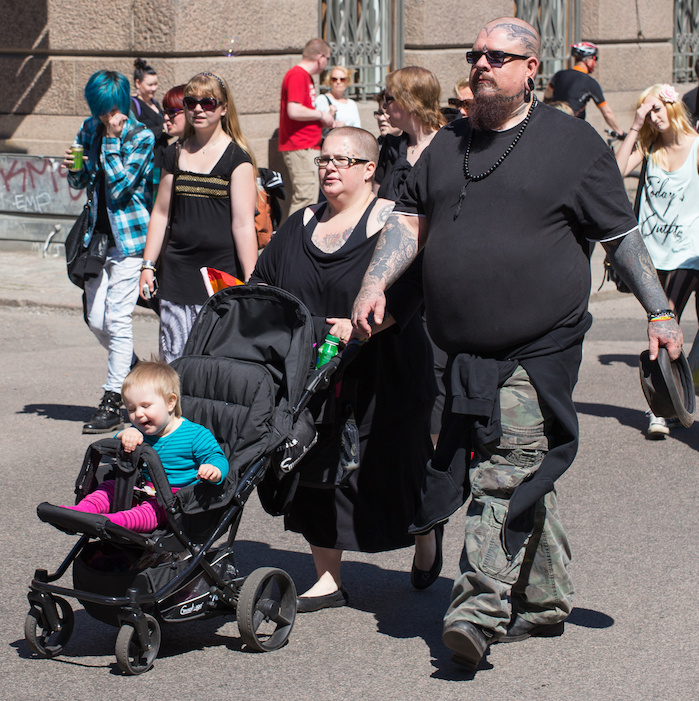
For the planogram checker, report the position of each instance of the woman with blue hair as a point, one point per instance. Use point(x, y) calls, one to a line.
point(118, 160)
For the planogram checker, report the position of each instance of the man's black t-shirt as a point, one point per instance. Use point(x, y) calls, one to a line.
point(514, 264)
point(576, 88)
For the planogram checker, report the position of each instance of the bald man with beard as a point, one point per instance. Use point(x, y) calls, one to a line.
point(507, 204)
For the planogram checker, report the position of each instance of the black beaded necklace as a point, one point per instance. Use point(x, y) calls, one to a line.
point(475, 178)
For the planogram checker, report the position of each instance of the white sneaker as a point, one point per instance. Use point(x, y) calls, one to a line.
point(657, 427)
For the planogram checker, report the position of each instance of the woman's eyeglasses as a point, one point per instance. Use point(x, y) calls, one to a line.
point(208, 104)
point(496, 59)
point(171, 114)
point(338, 161)
point(338, 79)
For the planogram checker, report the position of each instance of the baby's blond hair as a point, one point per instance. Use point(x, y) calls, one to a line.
point(158, 375)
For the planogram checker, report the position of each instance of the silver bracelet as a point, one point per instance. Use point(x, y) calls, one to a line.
point(148, 265)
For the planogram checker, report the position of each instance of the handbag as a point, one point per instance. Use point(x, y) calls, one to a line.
point(85, 261)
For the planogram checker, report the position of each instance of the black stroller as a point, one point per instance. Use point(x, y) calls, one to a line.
point(244, 376)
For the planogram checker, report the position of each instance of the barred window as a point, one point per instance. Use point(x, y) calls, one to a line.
point(366, 36)
point(686, 40)
point(558, 22)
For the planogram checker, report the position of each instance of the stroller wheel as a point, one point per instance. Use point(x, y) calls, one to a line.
point(43, 638)
point(266, 609)
point(132, 656)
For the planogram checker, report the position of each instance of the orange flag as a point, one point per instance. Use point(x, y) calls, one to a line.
point(215, 280)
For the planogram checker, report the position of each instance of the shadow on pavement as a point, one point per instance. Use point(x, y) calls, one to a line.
point(628, 417)
point(587, 618)
point(60, 412)
point(638, 420)
point(611, 358)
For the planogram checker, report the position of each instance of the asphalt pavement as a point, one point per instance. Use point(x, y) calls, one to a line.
point(629, 506)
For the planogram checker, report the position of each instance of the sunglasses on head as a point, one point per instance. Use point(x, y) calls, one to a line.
point(455, 102)
point(208, 104)
point(496, 59)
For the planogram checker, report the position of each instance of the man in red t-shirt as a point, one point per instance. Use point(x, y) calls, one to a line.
point(301, 124)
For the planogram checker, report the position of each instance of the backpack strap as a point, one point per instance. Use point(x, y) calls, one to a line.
point(639, 189)
point(130, 134)
point(137, 104)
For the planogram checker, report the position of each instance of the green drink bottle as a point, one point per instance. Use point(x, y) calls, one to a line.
point(328, 350)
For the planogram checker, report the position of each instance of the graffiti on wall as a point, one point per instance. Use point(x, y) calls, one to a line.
point(36, 185)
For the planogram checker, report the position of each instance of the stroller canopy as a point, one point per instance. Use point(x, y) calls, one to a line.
point(243, 369)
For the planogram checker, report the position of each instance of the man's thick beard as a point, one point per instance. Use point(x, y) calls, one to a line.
point(488, 111)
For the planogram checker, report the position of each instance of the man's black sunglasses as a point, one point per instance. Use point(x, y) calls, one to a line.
point(495, 58)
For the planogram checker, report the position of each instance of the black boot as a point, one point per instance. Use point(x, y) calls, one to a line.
point(108, 415)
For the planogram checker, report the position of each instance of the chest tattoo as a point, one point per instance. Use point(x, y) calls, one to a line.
point(331, 241)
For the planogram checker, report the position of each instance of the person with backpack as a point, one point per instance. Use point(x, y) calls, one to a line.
point(145, 108)
point(338, 79)
point(118, 161)
point(576, 86)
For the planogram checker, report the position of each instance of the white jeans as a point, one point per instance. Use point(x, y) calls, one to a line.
point(111, 298)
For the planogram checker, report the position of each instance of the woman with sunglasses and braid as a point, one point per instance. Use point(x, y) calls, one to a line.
point(212, 180)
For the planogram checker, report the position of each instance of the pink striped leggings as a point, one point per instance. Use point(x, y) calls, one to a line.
point(142, 518)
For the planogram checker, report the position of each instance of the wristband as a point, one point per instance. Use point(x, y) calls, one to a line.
point(633, 129)
point(661, 315)
point(148, 265)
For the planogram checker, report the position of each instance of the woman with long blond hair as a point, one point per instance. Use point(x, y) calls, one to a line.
point(212, 179)
point(668, 203)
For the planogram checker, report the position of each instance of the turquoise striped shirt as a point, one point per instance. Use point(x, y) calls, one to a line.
point(184, 450)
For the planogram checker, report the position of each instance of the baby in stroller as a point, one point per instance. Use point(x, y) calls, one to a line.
point(245, 376)
point(188, 451)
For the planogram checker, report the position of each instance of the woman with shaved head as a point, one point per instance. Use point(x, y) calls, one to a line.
point(384, 396)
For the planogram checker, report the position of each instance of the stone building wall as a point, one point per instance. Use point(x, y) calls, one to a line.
point(48, 49)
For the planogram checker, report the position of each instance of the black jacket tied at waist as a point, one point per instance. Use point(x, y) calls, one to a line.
point(472, 415)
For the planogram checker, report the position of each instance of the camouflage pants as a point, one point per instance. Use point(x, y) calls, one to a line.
point(535, 582)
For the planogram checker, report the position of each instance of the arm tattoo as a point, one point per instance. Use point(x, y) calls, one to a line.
point(384, 213)
point(632, 261)
point(396, 248)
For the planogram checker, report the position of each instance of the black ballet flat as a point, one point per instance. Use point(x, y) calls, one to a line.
point(308, 604)
point(421, 579)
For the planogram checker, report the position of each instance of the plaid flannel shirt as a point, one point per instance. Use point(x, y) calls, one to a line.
point(127, 167)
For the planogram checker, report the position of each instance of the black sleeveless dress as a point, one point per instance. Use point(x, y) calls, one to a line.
point(389, 388)
point(201, 232)
point(155, 121)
